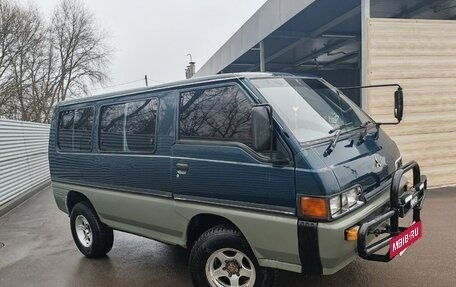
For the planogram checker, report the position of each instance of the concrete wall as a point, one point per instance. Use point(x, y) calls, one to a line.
point(420, 55)
point(24, 163)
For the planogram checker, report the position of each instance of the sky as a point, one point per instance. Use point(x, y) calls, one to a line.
point(154, 37)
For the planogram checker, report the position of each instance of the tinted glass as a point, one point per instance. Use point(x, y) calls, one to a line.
point(65, 133)
point(215, 114)
point(129, 127)
point(140, 125)
point(111, 127)
point(310, 107)
point(82, 135)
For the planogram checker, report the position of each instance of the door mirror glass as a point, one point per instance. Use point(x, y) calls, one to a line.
point(398, 104)
point(261, 128)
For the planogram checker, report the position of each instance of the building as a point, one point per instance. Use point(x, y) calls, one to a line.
point(364, 42)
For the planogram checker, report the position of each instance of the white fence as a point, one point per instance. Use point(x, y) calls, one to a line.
point(23, 158)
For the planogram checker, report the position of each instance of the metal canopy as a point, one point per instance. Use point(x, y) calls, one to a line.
point(317, 37)
point(323, 34)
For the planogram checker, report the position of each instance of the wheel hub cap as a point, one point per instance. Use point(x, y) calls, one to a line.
point(83, 231)
point(230, 267)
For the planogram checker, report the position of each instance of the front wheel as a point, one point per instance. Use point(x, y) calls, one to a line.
point(221, 257)
point(93, 238)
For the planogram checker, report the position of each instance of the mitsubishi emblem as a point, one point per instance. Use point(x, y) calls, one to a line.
point(378, 164)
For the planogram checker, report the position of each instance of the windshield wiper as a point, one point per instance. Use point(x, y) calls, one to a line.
point(337, 131)
point(332, 144)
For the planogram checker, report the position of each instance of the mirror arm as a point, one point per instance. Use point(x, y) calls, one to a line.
point(389, 124)
point(399, 88)
point(370, 86)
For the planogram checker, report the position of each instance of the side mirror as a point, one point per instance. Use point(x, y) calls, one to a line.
point(262, 127)
point(398, 104)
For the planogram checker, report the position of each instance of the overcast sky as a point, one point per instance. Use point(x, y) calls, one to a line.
point(154, 37)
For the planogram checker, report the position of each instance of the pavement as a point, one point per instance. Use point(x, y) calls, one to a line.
point(36, 249)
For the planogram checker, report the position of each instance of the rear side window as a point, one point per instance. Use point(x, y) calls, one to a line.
point(111, 127)
point(75, 130)
point(129, 127)
point(82, 132)
point(222, 113)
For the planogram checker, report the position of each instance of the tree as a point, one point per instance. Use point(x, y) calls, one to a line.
point(28, 37)
point(81, 49)
point(44, 63)
point(8, 25)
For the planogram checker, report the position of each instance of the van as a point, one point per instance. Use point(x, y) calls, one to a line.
point(251, 172)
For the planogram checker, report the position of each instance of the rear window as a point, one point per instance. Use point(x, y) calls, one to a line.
point(75, 130)
point(129, 127)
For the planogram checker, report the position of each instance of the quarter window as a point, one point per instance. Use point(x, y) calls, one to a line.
point(75, 130)
point(129, 127)
point(222, 113)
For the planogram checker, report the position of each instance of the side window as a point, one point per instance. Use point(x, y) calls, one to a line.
point(75, 130)
point(129, 127)
point(222, 113)
point(111, 127)
point(65, 133)
point(82, 134)
point(140, 125)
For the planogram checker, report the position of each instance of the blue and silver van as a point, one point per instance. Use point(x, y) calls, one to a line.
point(251, 172)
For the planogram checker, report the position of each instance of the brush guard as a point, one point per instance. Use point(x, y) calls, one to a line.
point(398, 209)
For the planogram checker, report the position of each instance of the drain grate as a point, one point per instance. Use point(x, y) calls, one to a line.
point(2, 244)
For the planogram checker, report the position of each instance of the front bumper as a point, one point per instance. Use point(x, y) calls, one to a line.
point(398, 209)
point(322, 246)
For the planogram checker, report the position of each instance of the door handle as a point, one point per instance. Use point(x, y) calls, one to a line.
point(181, 169)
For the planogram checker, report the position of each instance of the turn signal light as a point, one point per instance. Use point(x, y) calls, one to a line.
point(351, 234)
point(315, 207)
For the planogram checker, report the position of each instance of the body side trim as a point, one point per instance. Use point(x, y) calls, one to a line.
point(195, 199)
point(280, 265)
point(236, 204)
point(126, 189)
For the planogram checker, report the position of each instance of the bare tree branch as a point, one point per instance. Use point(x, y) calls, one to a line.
point(42, 63)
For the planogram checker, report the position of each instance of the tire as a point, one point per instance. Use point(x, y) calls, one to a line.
point(93, 238)
point(222, 257)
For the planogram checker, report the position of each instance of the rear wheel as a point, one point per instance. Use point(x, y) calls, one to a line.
point(93, 238)
point(221, 257)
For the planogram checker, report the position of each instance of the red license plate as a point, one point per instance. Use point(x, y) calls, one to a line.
point(401, 242)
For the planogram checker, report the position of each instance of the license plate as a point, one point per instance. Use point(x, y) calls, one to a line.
point(401, 242)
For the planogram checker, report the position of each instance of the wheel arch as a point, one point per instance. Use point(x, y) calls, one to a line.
point(73, 197)
point(203, 222)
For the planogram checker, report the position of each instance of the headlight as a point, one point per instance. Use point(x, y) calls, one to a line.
point(344, 201)
point(353, 196)
point(334, 204)
point(327, 208)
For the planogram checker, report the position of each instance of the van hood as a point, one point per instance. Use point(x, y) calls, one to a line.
point(353, 162)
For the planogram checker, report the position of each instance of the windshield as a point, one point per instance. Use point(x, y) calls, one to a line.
point(310, 107)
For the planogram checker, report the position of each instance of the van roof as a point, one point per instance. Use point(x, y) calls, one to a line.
point(174, 84)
